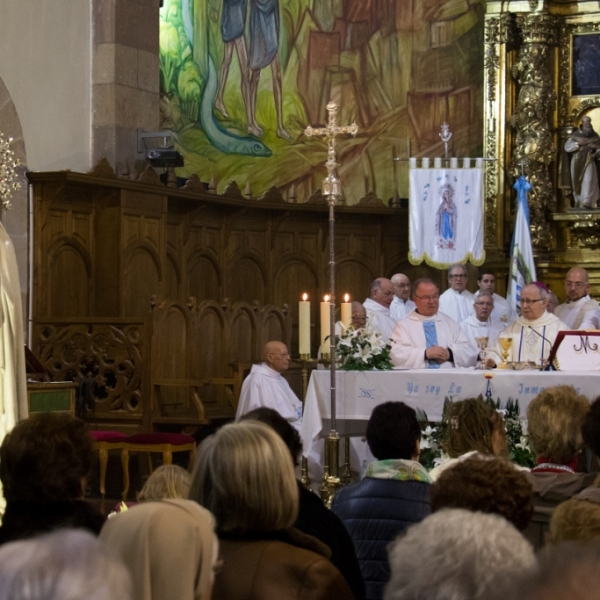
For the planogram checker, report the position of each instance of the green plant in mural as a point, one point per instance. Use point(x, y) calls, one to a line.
point(189, 85)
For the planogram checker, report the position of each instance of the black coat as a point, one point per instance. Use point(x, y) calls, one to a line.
point(374, 512)
point(315, 519)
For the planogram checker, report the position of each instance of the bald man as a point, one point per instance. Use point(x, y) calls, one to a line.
point(265, 386)
point(378, 307)
point(401, 305)
point(579, 311)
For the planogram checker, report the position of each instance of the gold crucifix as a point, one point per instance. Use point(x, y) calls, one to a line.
point(331, 183)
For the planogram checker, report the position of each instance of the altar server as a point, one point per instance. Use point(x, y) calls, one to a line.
point(265, 386)
point(428, 339)
point(480, 324)
point(533, 333)
point(503, 312)
point(401, 305)
point(457, 302)
point(579, 311)
point(378, 307)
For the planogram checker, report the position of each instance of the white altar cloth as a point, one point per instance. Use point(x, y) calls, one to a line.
point(359, 392)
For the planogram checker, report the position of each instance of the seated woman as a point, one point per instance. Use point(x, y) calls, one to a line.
point(245, 477)
point(474, 427)
point(554, 421)
point(167, 482)
point(44, 464)
point(169, 547)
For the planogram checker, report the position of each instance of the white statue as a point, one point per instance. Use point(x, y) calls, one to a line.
point(584, 146)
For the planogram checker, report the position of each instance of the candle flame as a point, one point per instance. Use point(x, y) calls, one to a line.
point(304, 297)
point(326, 299)
point(346, 298)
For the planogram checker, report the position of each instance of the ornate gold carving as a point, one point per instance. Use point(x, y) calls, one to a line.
point(582, 107)
point(539, 29)
point(500, 29)
point(585, 233)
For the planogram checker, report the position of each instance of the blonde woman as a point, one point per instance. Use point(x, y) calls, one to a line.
point(244, 476)
point(168, 481)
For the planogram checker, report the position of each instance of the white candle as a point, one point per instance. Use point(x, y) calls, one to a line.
point(346, 311)
point(325, 323)
point(304, 325)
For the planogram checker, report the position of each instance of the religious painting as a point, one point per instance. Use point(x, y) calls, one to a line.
point(241, 80)
point(585, 71)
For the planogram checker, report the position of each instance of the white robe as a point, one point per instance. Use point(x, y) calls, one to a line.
point(503, 312)
point(409, 345)
point(581, 314)
point(528, 343)
point(457, 306)
point(473, 327)
point(13, 381)
point(400, 309)
point(589, 184)
point(379, 318)
point(266, 387)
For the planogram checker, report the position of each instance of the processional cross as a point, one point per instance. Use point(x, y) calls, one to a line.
point(332, 190)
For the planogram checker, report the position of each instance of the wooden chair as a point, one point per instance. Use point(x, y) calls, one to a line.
point(165, 443)
point(103, 442)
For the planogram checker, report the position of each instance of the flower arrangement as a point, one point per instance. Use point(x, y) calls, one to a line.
point(8, 165)
point(362, 350)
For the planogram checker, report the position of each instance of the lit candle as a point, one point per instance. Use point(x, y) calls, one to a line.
point(346, 311)
point(325, 325)
point(304, 326)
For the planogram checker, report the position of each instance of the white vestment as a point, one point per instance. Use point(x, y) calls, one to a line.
point(266, 387)
point(581, 314)
point(409, 344)
point(503, 312)
point(531, 340)
point(589, 184)
point(474, 328)
point(457, 306)
point(400, 309)
point(379, 318)
point(13, 381)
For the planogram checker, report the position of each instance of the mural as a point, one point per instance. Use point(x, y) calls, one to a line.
point(241, 79)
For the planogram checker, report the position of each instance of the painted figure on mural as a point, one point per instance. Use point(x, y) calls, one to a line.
point(584, 145)
point(445, 218)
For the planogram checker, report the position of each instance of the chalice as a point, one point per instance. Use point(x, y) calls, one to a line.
point(505, 344)
point(482, 343)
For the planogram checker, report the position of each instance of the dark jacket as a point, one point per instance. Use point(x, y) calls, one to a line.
point(27, 519)
point(315, 519)
point(374, 512)
point(285, 565)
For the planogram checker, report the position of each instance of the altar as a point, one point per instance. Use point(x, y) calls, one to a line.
point(359, 392)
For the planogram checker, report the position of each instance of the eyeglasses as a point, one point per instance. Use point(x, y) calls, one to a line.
point(528, 301)
point(359, 318)
point(484, 303)
point(463, 276)
point(575, 284)
point(428, 298)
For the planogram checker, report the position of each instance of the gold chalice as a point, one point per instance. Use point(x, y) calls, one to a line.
point(505, 344)
point(482, 343)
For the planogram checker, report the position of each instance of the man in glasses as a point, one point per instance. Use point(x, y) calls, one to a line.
point(456, 301)
point(533, 333)
point(579, 311)
point(401, 305)
point(378, 307)
point(480, 324)
point(427, 338)
point(503, 311)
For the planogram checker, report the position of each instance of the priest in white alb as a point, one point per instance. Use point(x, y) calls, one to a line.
point(533, 333)
point(428, 339)
point(265, 386)
point(378, 307)
point(401, 305)
point(503, 312)
point(457, 302)
point(579, 311)
point(480, 324)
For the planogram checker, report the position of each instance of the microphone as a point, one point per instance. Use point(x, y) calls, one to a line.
point(548, 366)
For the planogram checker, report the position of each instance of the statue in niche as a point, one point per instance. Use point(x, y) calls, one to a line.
point(584, 146)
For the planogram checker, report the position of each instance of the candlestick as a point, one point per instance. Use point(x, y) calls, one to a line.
point(304, 327)
point(325, 325)
point(346, 311)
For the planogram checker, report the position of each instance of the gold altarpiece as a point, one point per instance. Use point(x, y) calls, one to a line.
point(531, 107)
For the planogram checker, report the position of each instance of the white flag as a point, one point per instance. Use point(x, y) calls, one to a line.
point(522, 266)
point(446, 216)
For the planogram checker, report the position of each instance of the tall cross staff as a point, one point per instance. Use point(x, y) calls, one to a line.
point(332, 190)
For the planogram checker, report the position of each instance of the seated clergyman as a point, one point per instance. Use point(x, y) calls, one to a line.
point(427, 338)
point(533, 333)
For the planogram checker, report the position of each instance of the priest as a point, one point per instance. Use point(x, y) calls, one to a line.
point(503, 312)
point(401, 305)
point(533, 333)
point(378, 307)
point(579, 311)
point(457, 302)
point(428, 339)
point(480, 324)
point(265, 386)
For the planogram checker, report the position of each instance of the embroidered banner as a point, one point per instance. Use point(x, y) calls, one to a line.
point(446, 216)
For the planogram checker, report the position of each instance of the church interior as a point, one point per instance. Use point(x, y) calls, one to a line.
point(159, 286)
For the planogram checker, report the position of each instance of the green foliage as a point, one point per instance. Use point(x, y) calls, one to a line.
point(189, 84)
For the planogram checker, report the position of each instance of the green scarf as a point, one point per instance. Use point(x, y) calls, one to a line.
point(398, 469)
